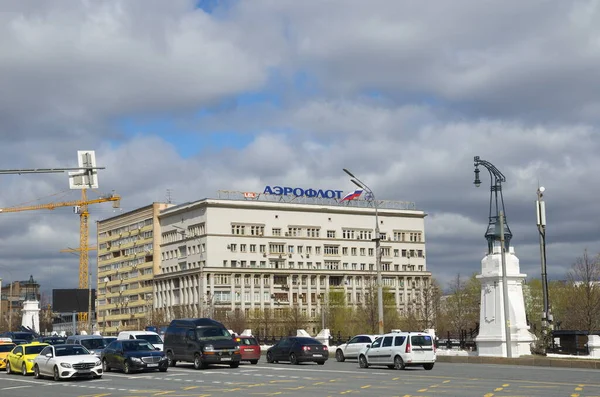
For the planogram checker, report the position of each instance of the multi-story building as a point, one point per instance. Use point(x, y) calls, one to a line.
point(13, 295)
point(248, 254)
point(127, 262)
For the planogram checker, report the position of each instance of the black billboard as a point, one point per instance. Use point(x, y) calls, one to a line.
point(72, 300)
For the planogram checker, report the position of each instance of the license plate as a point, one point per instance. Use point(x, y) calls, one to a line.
point(317, 355)
point(248, 350)
point(84, 371)
point(225, 358)
point(152, 365)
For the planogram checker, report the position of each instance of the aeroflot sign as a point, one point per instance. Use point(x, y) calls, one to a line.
point(297, 191)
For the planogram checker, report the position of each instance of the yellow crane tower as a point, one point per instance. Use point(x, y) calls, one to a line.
point(82, 207)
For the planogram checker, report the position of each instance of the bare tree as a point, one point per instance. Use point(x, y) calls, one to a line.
point(462, 305)
point(430, 311)
point(294, 319)
point(584, 291)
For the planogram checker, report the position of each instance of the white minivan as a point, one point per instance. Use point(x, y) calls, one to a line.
point(149, 336)
point(400, 350)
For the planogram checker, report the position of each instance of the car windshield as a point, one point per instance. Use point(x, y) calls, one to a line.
point(4, 348)
point(247, 341)
point(154, 339)
point(131, 346)
point(35, 349)
point(308, 341)
point(213, 333)
point(93, 344)
point(73, 350)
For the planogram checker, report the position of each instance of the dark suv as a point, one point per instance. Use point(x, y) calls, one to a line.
point(202, 341)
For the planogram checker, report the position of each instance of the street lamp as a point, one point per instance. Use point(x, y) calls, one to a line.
point(497, 231)
point(106, 280)
point(541, 225)
point(377, 239)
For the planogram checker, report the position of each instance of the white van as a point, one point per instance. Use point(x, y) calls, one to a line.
point(149, 336)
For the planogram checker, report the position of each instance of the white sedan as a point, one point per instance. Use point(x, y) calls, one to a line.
point(353, 347)
point(65, 362)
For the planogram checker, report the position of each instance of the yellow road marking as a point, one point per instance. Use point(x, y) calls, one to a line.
point(488, 395)
point(422, 390)
point(446, 381)
point(318, 383)
point(190, 387)
point(574, 395)
point(578, 388)
point(505, 385)
point(499, 389)
point(395, 378)
point(162, 393)
point(365, 386)
point(96, 395)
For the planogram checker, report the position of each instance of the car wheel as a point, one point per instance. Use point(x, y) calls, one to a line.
point(253, 362)
point(56, 374)
point(105, 366)
point(234, 365)
point(97, 376)
point(8, 368)
point(321, 362)
point(126, 367)
point(269, 357)
point(162, 369)
point(197, 361)
point(24, 369)
point(171, 359)
point(362, 362)
point(339, 355)
point(293, 359)
point(399, 363)
point(428, 367)
point(36, 372)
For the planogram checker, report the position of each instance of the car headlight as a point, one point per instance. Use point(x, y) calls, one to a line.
point(137, 360)
point(209, 348)
point(98, 363)
point(164, 358)
point(65, 365)
point(236, 348)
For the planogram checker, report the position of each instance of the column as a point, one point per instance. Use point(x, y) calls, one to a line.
point(261, 287)
point(242, 291)
point(271, 290)
point(232, 286)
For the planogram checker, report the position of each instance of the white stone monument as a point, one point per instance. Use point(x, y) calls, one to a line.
point(491, 340)
point(31, 308)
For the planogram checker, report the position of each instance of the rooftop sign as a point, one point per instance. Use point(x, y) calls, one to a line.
point(300, 192)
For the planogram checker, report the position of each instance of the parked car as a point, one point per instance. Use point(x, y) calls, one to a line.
point(202, 341)
point(21, 357)
point(66, 362)
point(399, 350)
point(5, 348)
point(94, 343)
point(351, 348)
point(52, 340)
point(249, 348)
point(19, 335)
point(133, 355)
point(109, 339)
point(149, 336)
point(297, 349)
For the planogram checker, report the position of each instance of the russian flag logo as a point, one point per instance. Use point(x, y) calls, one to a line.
point(352, 195)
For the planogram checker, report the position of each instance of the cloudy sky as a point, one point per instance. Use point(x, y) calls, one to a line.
point(200, 96)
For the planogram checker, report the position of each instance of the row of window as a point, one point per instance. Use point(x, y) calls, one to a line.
point(331, 250)
point(327, 265)
point(180, 234)
point(127, 228)
point(123, 264)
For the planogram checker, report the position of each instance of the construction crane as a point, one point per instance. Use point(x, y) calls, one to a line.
point(81, 207)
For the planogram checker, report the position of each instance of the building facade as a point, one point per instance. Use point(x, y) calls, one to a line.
point(12, 296)
point(127, 264)
point(245, 255)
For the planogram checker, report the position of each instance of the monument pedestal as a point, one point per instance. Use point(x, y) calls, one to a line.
point(491, 340)
point(31, 315)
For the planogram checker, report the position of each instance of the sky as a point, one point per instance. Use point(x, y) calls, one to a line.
point(192, 97)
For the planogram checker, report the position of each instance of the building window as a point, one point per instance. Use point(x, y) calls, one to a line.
point(404, 253)
point(344, 250)
point(312, 232)
point(348, 234)
point(294, 232)
point(371, 251)
point(252, 263)
point(332, 265)
point(362, 252)
point(233, 247)
point(364, 234)
point(317, 250)
point(385, 251)
point(276, 232)
point(309, 250)
point(353, 251)
point(257, 230)
point(396, 253)
point(263, 248)
point(222, 279)
point(331, 234)
point(331, 250)
point(415, 237)
point(276, 248)
point(242, 247)
point(299, 249)
point(290, 249)
point(252, 247)
point(420, 253)
point(238, 229)
point(385, 267)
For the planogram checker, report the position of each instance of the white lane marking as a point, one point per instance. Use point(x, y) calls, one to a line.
point(37, 382)
point(319, 370)
point(14, 387)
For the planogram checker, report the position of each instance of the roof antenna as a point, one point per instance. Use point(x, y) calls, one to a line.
point(169, 198)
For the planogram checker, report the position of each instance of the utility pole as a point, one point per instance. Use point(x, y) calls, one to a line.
point(541, 225)
point(10, 307)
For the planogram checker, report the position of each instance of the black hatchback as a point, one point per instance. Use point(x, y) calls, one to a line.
point(133, 355)
point(297, 349)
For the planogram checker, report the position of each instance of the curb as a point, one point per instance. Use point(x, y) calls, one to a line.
point(532, 361)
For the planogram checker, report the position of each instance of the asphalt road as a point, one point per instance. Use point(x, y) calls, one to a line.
point(332, 379)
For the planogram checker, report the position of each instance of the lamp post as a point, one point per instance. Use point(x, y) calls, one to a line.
point(497, 230)
point(541, 225)
point(106, 280)
point(377, 239)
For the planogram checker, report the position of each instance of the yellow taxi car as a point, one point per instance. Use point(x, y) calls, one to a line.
point(6, 346)
point(20, 359)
